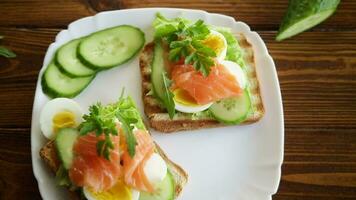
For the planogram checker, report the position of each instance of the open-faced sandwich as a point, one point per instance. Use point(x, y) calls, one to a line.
point(106, 154)
point(196, 76)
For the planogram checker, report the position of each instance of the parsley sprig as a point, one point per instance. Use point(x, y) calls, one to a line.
point(5, 52)
point(102, 120)
point(185, 40)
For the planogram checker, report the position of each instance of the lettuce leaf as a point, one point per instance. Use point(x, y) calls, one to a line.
point(164, 27)
point(234, 52)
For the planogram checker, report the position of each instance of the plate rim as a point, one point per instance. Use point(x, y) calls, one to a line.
point(258, 40)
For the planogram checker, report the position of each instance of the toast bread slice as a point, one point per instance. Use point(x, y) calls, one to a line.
point(48, 153)
point(158, 117)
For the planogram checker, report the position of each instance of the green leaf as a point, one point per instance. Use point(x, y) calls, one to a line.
point(102, 120)
point(165, 27)
point(179, 43)
point(187, 42)
point(189, 59)
point(86, 127)
point(168, 96)
point(62, 177)
point(129, 136)
point(1, 37)
point(234, 52)
point(174, 54)
point(7, 53)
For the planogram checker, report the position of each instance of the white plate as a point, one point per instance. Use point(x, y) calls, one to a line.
point(238, 162)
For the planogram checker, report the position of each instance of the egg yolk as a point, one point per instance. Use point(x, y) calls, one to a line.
point(183, 97)
point(215, 43)
point(63, 119)
point(119, 192)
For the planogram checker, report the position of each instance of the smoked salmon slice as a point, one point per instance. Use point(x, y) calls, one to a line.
point(219, 84)
point(91, 170)
point(134, 175)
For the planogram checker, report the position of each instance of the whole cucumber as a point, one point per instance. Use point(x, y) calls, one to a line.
point(304, 14)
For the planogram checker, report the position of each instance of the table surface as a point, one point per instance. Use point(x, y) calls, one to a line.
point(317, 74)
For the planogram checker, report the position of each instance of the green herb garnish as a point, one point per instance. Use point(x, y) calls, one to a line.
point(185, 40)
point(102, 120)
point(7, 53)
point(168, 96)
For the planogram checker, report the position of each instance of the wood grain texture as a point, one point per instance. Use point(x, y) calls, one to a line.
point(16, 177)
point(18, 76)
point(39, 13)
point(259, 14)
point(35, 13)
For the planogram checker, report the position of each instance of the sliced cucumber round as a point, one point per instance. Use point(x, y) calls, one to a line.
point(56, 84)
point(157, 69)
point(164, 190)
point(64, 142)
point(304, 14)
point(68, 62)
point(232, 110)
point(111, 47)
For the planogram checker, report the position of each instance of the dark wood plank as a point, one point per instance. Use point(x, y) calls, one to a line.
point(259, 14)
point(35, 13)
point(18, 76)
point(16, 177)
point(316, 71)
point(319, 164)
point(39, 13)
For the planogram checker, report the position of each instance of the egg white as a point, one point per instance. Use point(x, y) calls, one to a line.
point(55, 106)
point(155, 169)
point(220, 56)
point(236, 71)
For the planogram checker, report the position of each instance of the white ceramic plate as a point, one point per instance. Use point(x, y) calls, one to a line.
point(238, 162)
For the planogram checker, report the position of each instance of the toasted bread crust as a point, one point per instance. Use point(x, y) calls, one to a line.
point(49, 154)
point(158, 116)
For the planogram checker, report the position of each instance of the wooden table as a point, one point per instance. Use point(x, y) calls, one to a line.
point(317, 73)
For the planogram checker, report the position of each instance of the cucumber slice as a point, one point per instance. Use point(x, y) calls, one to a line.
point(68, 62)
point(157, 69)
point(56, 84)
point(304, 14)
point(164, 190)
point(232, 110)
point(64, 142)
point(111, 47)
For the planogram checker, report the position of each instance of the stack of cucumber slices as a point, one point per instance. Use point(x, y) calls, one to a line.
point(76, 63)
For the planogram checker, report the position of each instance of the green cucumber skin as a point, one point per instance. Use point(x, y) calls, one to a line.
point(68, 73)
point(239, 120)
point(60, 144)
point(64, 71)
point(301, 9)
point(155, 80)
point(52, 93)
point(144, 196)
point(99, 68)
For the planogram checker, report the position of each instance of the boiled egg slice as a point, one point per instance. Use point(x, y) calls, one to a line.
point(185, 103)
point(118, 192)
point(217, 42)
point(236, 71)
point(155, 169)
point(59, 113)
